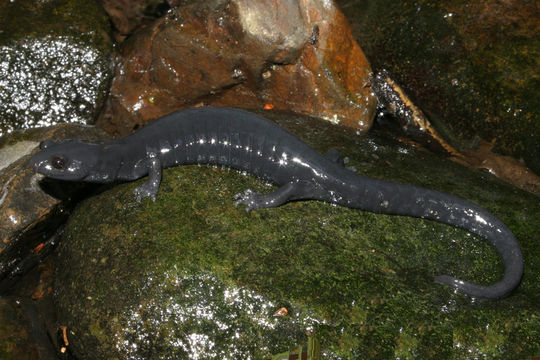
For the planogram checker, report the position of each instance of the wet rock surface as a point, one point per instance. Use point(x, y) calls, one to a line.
point(416, 125)
point(127, 15)
point(192, 275)
point(27, 320)
point(55, 62)
point(30, 215)
point(471, 66)
point(14, 340)
point(290, 55)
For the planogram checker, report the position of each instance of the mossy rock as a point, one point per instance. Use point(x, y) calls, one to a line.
point(192, 274)
point(471, 66)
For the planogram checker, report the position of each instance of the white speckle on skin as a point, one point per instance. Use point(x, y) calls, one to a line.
point(480, 219)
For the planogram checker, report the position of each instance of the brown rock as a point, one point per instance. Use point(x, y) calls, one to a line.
point(291, 54)
point(127, 15)
point(504, 167)
point(25, 208)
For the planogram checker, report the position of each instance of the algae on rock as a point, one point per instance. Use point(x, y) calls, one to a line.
point(361, 283)
point(471, 66)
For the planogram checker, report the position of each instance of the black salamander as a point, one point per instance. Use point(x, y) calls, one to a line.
point(247, 142)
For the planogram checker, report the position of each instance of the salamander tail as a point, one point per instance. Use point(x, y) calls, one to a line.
point(393, 198)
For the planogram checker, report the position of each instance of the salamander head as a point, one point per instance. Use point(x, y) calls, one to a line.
point(72, 160)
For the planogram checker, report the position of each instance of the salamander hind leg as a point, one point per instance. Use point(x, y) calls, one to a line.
point(334, 156)
point(294, 190)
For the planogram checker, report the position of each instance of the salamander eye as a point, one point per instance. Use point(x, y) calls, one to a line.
point(58, 162)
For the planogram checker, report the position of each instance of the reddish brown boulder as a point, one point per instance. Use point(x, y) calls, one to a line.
point(128, 15)
point(286, 54)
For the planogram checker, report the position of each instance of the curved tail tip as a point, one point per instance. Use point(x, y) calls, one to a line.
point(493, 292)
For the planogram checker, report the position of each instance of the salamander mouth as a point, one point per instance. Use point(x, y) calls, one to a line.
point(72, 172)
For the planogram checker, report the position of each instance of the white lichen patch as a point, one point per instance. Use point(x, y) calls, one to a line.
point(10, 154)
point(45, 81)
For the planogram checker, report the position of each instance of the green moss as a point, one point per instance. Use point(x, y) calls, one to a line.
point(365, 278)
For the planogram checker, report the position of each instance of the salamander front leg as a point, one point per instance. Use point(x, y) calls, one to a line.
point(293, 190)
point(151, 187)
